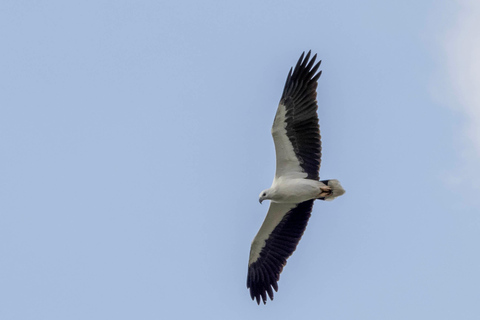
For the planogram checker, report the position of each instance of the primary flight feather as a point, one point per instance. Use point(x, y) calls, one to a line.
point(296, 184)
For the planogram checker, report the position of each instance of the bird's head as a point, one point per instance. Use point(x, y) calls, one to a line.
point(264, 195)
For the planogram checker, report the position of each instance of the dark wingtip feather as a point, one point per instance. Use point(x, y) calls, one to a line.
point(299, 63)
point(302, 76)
point(307, 57)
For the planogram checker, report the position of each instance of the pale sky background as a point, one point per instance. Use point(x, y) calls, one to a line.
point(135, 139)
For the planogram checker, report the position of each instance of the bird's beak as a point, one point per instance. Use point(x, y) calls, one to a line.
point(260, 200)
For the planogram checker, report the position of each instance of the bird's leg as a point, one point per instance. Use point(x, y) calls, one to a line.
point(325, 191)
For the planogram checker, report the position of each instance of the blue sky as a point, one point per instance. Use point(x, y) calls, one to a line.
point(135, 139)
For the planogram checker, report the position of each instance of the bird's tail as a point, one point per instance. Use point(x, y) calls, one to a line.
point(332, 190)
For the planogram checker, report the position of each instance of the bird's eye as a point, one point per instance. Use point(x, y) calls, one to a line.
point(264, 194)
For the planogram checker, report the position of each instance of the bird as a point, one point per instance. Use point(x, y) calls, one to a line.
point(296, 184)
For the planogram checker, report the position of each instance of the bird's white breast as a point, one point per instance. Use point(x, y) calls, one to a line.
point(294, 190)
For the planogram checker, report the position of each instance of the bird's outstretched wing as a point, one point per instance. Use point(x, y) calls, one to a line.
point(276, 240)
point(296, 135)
point(295, 130)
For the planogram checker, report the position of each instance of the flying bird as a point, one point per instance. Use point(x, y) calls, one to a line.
point(296, 184)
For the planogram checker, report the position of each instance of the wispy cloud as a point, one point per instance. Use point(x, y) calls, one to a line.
point(461, 45)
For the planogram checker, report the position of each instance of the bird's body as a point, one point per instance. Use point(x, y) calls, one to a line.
point(296, 185)
point(295, 190)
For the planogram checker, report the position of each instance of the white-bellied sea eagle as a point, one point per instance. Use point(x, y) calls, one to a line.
point(296, 184)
